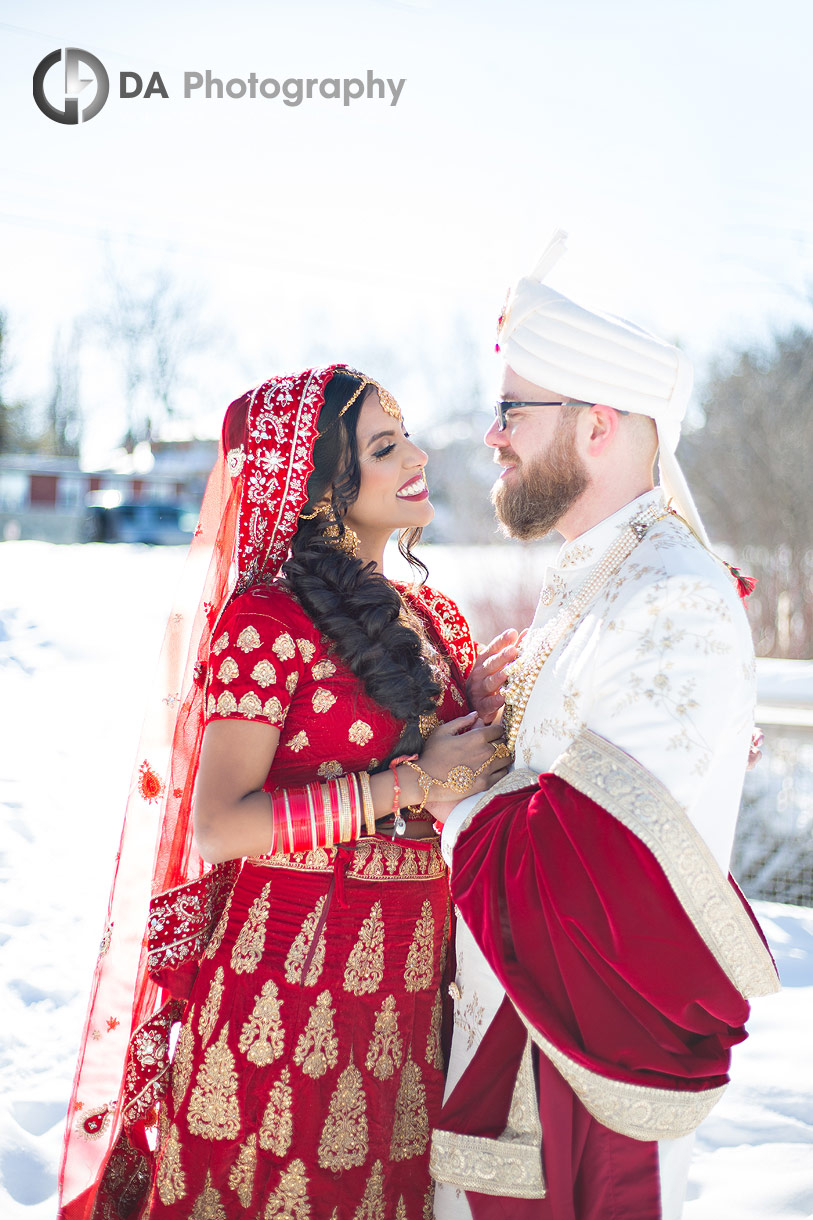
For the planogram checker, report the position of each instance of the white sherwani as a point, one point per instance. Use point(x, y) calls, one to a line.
point(661, 666)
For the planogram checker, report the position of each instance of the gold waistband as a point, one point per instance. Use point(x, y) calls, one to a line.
point(373, 859)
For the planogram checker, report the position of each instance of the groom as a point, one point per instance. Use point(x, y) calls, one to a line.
point(604, 959)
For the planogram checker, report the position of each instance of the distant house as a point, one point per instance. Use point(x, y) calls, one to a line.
point(48, 497)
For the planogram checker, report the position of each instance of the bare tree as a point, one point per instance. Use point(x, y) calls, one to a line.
point(749, 468)
point(63, 416)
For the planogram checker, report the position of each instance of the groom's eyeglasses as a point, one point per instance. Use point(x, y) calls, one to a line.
point(505, 405)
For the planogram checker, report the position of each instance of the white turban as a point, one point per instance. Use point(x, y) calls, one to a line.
point(583, 354)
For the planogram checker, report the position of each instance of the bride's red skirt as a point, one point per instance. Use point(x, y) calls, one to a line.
point(308, 1071)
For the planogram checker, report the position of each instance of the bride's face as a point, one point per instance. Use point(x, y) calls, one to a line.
point(393, 493)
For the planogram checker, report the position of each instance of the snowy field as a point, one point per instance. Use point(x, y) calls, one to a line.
point(80, 628)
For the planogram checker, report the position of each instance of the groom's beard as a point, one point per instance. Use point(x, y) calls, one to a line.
point(538, 493)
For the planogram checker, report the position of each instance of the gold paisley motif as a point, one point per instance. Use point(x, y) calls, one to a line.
point(226, 703)
point(344, 1141)
point(181, 1071)
point(262, 1038)
point(322, 670)
point(250, 705)
point(299, 950)
point(229, 670)
point(208, 1205)
point(283, 646)
point(241, 1174)
point(220, 643)
point(277, 1127)
point(211, 1008)
point(250, 943)
point(307, 650)
point(272, 709)
point(290, 1200)
point(365, 965)
point(263, 673)
point(322, 700)
point(330, 770)
point(372, 1202)
point(360, 732)
point(386, 1050)
point(248, 639)
point(298, 742)
point(318, 1047)
point(421, 957)
point(219, 932)
point(410, 1129)
point(170, 1180)
point(214, 1112)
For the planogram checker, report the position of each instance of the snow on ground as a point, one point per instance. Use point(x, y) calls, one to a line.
point(80, 629)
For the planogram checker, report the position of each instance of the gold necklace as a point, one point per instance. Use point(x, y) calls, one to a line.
point(522, 675)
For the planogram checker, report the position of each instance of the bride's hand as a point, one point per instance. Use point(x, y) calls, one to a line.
point(465, 742)
point(485, 682)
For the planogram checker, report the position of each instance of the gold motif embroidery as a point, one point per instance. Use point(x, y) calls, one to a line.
point(277, 1127)
point(434, 1049)
point(213, 1110)
point(386, 1049)
point(283, 646)
point(299, 950)
point(262, 1039)
point(248, 639)
point(220, 930)
point(360, 732)
point(182, 1062)
point(456, 695)
point(318, 1047)
point(272, 709)
point(226, 704)
point(263, 673)
point(322, 670)
point(323, 699)
point(299, 742)
point(241, 1174)
point(429, 1203)
point(365, 965)
point(344, 1144)
point(228, 670)
point(307, 650)
point(248, 948)
point(291, 683)
point(428, 723)
point(170, 1179)
point(290, 1200)
point(400, 1211)
point(211, 706)
point(330, 770)
point(410, 1129)
point(372, 1202)
point(250, 705)
point(208, 1205)
point(211, 1008)
point(421, 957)
point(220, 643)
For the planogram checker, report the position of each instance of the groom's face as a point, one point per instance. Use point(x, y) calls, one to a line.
point(543, 474)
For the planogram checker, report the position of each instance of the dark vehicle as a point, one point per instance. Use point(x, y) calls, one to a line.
point(153, 523)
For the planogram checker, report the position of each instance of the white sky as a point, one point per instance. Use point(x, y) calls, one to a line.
point(670, 137)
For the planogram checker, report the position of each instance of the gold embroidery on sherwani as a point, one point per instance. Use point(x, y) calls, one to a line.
point(318, 1047)
point(421, 957)
point(248, 639)
point(217, 935)
point(400, 1211)
point(290, 1200)
point(386, 1049)
point(344, 1143)
point(372, 1202)
point(182, 1060)
point(226, 703)
point(323, 699)
point(229, 670)
point(208, 1205)
point(263, 673)
point(410, 1128)
point(248, 948)
point(211, 1008)
point(283, 646)
point(262, 1039)
point(277, 1127)
point(214, 1112)
point(241, 1174)
point(170, 1179)
point(250, 705)
point(429, 1203)
point(434, 1050)
point(307, 650)
point(299, 950)
point(365, 965)
point(360, 732)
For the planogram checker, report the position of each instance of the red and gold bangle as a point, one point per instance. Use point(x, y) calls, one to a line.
point(319, 814)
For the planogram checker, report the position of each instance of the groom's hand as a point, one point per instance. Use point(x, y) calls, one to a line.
point(484, 686)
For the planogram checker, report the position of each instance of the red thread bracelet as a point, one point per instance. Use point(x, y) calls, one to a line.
point(400, 824)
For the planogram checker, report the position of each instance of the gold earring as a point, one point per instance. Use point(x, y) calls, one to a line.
point(344, 540)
